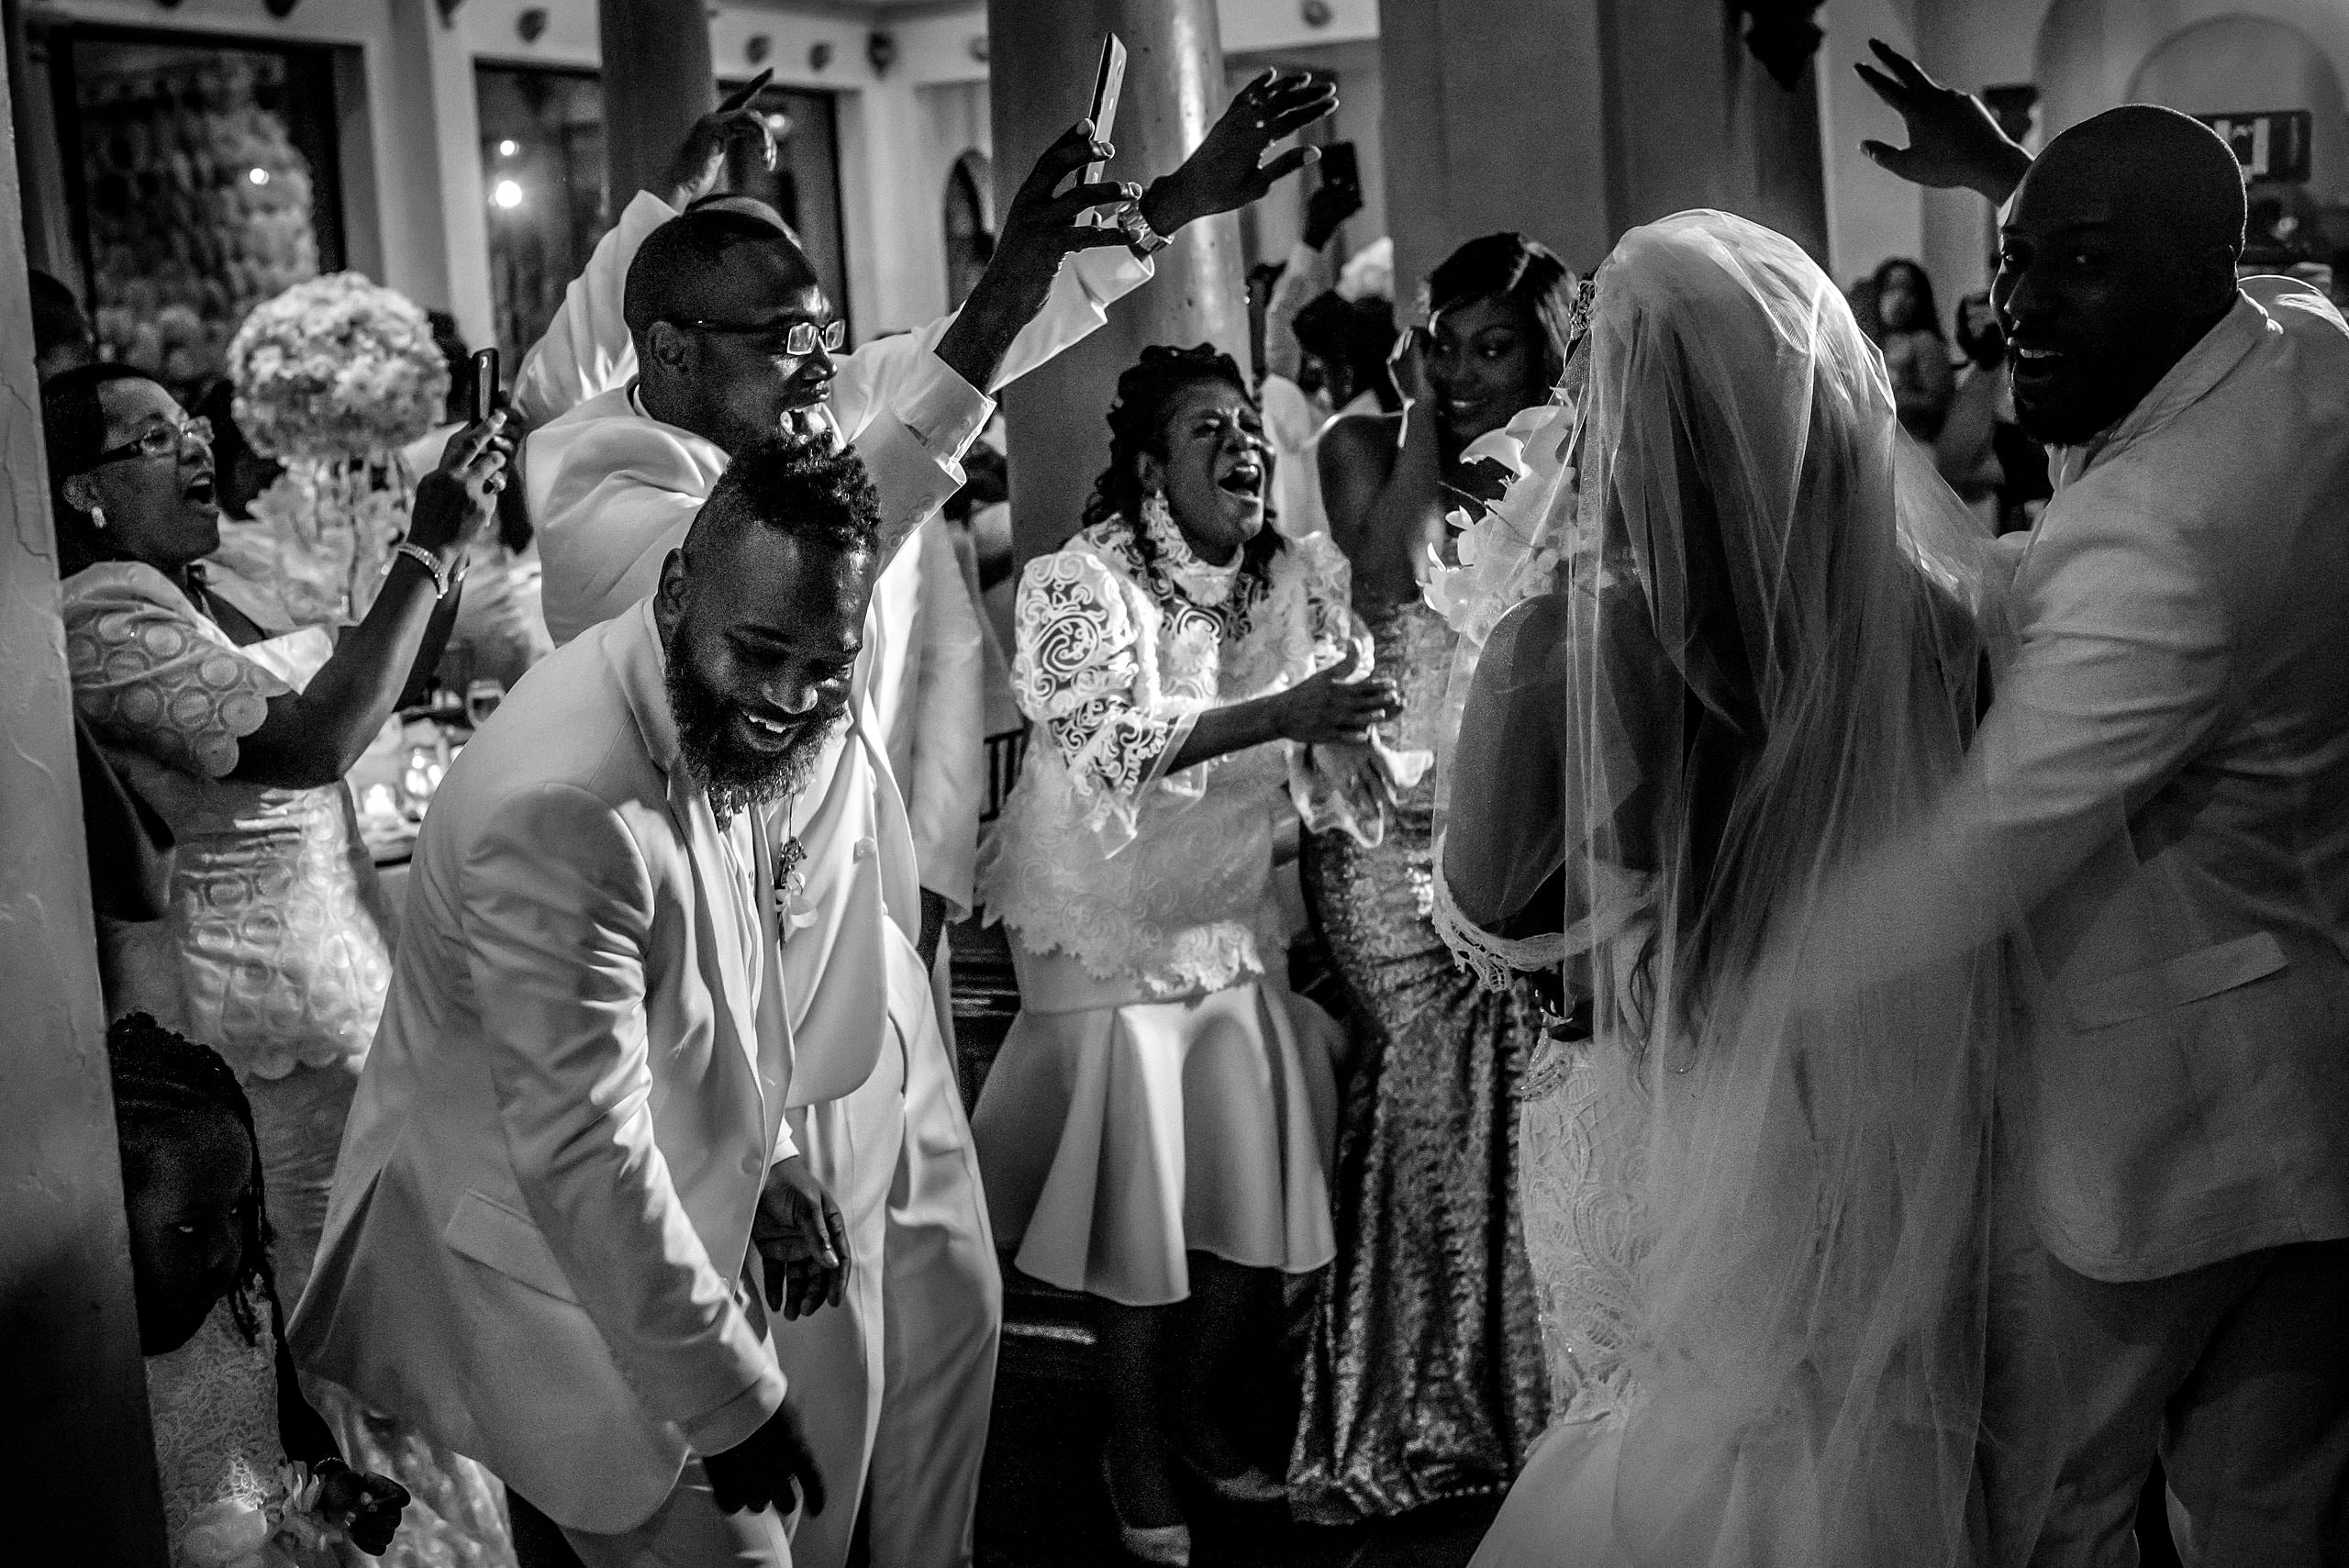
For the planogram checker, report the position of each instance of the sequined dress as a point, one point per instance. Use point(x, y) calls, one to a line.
point(1424, 1377)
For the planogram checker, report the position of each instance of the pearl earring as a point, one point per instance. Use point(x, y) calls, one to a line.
point(97, 517)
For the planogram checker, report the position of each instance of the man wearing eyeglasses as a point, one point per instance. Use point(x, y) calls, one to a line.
point(698, 328)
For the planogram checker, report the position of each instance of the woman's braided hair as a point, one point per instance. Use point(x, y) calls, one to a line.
point(1138, 425)
point(162, 1083)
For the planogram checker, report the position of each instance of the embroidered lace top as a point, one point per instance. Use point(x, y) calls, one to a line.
point(1163, 878)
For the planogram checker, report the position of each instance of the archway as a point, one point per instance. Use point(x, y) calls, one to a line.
point(968, 224)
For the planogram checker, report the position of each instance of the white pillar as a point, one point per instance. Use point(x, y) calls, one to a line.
point(428, 169)
point(77, 1450)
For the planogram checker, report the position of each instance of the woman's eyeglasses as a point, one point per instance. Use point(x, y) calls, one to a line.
point(160, 441)
point(797, 338)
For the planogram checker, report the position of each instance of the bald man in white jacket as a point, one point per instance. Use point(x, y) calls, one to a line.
point(897, 1388)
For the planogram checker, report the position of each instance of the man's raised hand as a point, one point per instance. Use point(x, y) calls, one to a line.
point(1039, 229)
point(1228, 170)
point(700, 163)
point(1952, 140)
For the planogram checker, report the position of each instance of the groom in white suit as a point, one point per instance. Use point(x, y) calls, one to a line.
point(571, 1141)
point(2156, 807)
point(671, 352)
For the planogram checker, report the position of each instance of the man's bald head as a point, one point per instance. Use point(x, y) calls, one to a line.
point(2170, 167)
point(708, 260)
point(2117, 253)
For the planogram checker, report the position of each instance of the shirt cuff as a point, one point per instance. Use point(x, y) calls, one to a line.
point(731, 1424)
point(1108, 273)
point(944, 412)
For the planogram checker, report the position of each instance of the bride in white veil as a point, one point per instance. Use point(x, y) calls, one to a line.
point(1758, 1195)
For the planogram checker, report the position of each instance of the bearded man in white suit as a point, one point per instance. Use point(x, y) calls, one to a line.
point(677, 347)
point(2156, 812)
point(571, 1143)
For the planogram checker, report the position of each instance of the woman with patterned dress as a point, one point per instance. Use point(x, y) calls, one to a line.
point(238, 727)
point(1156, 1130)
point(1422, 1378)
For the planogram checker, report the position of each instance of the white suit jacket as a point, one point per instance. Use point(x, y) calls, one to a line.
point(2158, 802)
point(542, 1208)
point(928, 666)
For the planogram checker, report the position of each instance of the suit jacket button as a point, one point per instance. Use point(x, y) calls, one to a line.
point(753, 1165)
point(865, 847)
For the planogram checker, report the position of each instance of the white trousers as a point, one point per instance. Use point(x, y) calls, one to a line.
point(894, 1386)
point(689, 1531)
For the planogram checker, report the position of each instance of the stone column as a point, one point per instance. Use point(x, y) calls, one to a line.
point(658, 80)
point(76, 1446)
point(434, 240)
point(1041, 58)
point(1495, 120)
point(1573, 120)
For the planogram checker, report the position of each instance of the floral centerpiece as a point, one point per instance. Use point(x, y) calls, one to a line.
point(333, 377)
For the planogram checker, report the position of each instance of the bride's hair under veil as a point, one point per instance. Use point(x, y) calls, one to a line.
point(1757, 665)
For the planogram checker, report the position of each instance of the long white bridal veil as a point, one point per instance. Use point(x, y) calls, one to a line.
point(1753, 661)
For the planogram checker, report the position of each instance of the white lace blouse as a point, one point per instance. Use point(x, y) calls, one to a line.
point(1163, 878)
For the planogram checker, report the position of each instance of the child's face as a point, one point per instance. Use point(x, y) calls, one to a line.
point(185, 1243)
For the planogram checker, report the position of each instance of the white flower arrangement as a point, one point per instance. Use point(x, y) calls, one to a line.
point(336, 368)
point(334, 376)
point(286, 1527)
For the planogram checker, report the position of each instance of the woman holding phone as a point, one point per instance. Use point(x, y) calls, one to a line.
point(1423, 1378)
point(238, 726)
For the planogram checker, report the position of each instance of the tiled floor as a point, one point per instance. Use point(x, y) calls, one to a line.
point(1041, 1502)
point(1042, 1505)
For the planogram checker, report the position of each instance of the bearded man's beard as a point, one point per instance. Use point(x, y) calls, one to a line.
point(737, 778)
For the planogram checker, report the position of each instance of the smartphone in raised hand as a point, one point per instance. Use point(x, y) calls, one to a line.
point(1108, 81)
point(1340, 165)
point(484, 383)
point(741, 97)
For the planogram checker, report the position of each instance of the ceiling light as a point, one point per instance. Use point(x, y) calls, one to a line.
point(507, 194)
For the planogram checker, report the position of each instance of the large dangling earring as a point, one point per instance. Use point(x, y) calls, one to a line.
point(1157, 516)
point(97, 517)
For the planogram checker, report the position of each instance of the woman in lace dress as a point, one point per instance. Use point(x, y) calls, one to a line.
point(1423, 1376)
point(238, 727)
point(1757, 1197)
point(1156, 1130)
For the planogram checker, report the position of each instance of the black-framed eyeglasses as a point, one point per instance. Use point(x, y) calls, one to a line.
point(160, 441)
point(797, 338)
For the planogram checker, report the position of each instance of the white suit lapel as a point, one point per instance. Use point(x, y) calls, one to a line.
point(725, 966)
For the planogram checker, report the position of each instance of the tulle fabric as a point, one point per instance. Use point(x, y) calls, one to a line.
point(1755, 661)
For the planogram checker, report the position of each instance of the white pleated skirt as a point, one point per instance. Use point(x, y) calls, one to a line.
point(1117, 1134)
